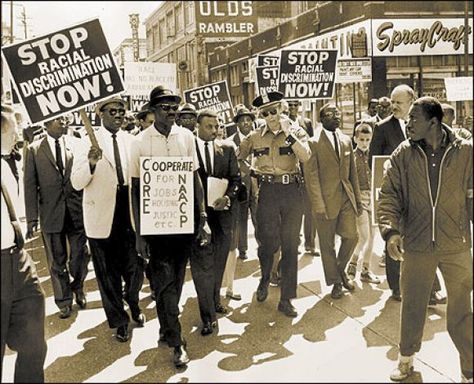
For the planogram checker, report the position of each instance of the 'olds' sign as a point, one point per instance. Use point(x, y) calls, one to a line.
point(420, 37)
point(225, 18)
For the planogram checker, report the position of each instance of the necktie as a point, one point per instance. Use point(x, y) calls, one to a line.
point(19, 240)
point(59, 158)
point(336, 145)
point(118, 163)
point(208, 158)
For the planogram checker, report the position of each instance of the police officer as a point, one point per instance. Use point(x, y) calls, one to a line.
point(278, 146)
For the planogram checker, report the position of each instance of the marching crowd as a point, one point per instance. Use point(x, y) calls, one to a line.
point(283, 170)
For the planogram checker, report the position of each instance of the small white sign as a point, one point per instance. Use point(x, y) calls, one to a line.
point(141, 78)
point(354, 70)
point(166, 195)
point(458, 88)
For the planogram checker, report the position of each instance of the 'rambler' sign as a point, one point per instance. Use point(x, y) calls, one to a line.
point(407, 37)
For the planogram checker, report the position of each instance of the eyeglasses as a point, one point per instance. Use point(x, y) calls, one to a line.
point(272, 111)
point(114, 111)
point(167, 107)
point(293, 104)
point(331, 114)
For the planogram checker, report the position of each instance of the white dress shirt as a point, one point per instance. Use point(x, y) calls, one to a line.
point(203, 153)
point(52, 145)
point(330, 136)
point(404, 128)
point(109, 148)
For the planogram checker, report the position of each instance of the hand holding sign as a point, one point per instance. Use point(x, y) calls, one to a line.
point(95, 154)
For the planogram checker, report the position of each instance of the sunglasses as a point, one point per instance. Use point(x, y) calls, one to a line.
point(293, 104)
point(167, 107)
point(332, 114)
point(114, 111)
point(272, 111)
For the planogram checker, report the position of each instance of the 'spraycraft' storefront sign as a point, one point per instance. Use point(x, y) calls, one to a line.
point(225, 18)
point(307, 74)
point(63, 71)
point(166, 195)
point(414, 37)
point(214, 96)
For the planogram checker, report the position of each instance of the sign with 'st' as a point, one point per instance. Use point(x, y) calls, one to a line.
point(307, 74)
point(214, 96)
point(63, 71)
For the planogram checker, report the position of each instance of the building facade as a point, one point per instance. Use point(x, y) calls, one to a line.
point(416, 43)
point(125, 51)
point(174, 33)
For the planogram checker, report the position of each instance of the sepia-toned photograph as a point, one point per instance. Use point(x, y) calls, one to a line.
point(237, 191)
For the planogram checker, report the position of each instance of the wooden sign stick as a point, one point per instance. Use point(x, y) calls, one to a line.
point(88, 127)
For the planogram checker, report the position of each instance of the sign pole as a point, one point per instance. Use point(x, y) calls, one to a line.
point(88, 127)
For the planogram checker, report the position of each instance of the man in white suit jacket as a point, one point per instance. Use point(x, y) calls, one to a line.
point(103, 174)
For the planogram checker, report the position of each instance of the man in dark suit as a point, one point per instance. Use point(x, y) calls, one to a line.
point(22, 298)
point(388, 134)
point(50, 195)
point(217, 159)
point(244, 119)
point(333, 188)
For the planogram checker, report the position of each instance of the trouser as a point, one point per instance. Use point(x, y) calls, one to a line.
point(202, 270)
point(221, 224)
point(23, 315)
point(231, 264)
point(114, 259)
point(345, 226)
point(309, 223)
point(244, 207)
point(392, 269)
point(59, 266)
point(168, 257)
point(279, 214)
point(418, 273)
point(366, 232)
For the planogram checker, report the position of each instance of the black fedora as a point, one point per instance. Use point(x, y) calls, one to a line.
point(243, 111)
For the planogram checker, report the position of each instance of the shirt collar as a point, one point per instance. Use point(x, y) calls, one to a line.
point(266, 129)
point(174, 131)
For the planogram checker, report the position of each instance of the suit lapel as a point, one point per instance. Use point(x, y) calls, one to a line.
point(47, 151)
point(68, 153)
point(236, 138)
point(398, 130)
point(107, 150)
point(218, 158)
point(326, 143)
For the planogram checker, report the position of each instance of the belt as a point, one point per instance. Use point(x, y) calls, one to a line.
point(11, 250)
point(288, 178)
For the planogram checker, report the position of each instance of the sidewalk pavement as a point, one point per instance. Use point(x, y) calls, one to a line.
point(353, 339)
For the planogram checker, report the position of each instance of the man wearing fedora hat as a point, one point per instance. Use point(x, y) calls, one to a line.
point(278, 147)
point(187, 117)
point(144, 118)
point(103, 173)
point(167, 254)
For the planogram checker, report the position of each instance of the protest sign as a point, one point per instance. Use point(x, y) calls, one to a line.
point(141, 78)
point(458, 88)
point(63, 71)
point(264, 60)
point(267, 79)
point(214, 96)
point(354, 70)
point(380, 164)
point(166, 195)
point(225, 18)
point(307, 74)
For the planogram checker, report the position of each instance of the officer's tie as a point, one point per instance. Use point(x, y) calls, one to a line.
point(118, 163)
point(19, 240)
point(59, 158)
point(208, 158)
